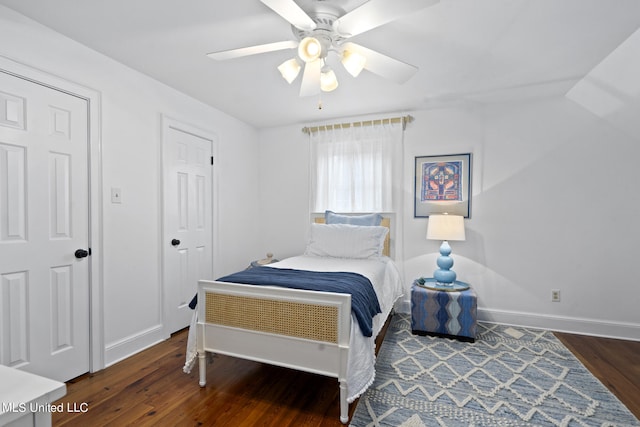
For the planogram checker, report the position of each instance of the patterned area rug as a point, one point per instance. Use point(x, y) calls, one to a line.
point(509, 377)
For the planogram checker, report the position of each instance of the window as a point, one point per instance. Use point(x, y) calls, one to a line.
point(352, 167)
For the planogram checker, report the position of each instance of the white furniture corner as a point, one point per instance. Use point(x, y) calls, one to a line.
point(26, 399)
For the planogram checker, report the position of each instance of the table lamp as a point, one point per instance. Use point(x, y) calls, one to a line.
point(445, 227)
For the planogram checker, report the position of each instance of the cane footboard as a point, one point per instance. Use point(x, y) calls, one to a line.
point(298, 329)
point(290, 318)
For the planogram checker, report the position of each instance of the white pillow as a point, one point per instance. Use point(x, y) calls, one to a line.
point(346, 241)
point(331, 217)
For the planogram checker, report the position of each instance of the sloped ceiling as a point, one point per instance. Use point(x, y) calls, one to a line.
point(468, 51)
point(611, 90)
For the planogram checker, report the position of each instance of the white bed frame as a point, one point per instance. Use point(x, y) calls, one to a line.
point(299, 329)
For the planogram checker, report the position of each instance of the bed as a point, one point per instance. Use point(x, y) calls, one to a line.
point(309, 330)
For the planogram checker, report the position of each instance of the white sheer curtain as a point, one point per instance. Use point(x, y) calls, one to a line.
point(352, 168)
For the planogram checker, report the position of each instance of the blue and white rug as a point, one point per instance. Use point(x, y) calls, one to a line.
point(510, 376)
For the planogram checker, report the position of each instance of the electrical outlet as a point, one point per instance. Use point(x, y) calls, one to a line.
point(555, 295)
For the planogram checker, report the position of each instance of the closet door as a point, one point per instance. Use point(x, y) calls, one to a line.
point(188, 233)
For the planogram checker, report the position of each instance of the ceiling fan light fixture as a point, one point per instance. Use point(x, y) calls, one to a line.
point(328, 80)
point(309, 49)
point(353, 62)
point(289, 70)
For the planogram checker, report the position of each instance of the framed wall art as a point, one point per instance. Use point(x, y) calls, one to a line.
point(443, 185)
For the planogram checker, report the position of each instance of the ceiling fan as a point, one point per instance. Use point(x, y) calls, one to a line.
point(323, 27)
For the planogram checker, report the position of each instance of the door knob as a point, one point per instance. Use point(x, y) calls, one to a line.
point(175, 242)
point(81, 253)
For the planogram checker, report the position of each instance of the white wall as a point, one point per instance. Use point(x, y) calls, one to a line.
point(553, 208)
point(284, 191)
point(131, 110)
point(549, 179)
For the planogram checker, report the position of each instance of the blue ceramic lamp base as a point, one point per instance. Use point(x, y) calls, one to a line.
point(444, 274)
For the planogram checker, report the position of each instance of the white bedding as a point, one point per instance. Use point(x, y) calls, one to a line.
point(387, 283)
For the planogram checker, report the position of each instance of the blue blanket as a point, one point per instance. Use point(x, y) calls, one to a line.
point(364, 302)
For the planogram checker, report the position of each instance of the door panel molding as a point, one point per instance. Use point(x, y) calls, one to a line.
point(93, 99)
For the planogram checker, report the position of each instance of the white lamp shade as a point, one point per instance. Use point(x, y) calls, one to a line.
point(309, 49)
point(328, 81)
point(353, 62)
point(289, 69)
point(445, 227)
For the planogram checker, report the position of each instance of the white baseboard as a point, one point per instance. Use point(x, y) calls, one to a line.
point(573, 325)
point(120, 350)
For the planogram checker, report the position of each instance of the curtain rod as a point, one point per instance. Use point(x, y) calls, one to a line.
point(404, 120)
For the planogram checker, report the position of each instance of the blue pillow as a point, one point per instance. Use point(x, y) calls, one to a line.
point(373, 219)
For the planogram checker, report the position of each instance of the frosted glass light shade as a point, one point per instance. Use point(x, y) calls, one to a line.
point(289, 69)
point(445, 227)
point(328, 81)
point(353, 62)
point(309, 49)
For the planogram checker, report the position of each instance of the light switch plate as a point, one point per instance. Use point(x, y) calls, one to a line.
point(116, 195)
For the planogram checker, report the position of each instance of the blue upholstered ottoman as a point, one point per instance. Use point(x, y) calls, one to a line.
point(451, 314)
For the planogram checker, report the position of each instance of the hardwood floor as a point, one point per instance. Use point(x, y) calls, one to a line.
point(151, 389)
point(616, 363)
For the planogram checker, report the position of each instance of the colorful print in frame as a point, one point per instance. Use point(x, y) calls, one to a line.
point(443, 185)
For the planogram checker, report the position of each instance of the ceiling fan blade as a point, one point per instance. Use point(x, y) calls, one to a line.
point(383, 65)
point(252, 50)
point(375, 13)
point(311, 78)
point(292, 13)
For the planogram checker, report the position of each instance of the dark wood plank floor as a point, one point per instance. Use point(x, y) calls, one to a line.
point(151, 389)
point(616, 363)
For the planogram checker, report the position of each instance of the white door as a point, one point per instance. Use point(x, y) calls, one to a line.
point(44, 220)
point(187, 195)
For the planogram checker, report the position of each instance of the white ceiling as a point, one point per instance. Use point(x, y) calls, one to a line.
point(468, 51)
